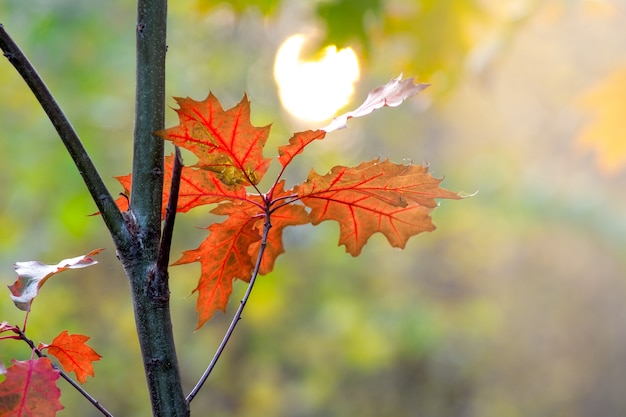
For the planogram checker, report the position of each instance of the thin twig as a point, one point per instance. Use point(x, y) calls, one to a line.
point(238, 313)
point(101, 196)
point(65, 376)
point(163, 258)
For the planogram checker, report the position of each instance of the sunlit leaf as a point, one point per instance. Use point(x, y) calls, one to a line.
point(223, 256)
point(224, 141)
point(375, 197)
point(391, 94)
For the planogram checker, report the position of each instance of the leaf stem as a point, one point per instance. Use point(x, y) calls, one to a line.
point(238, 313)
point(99, 193)
point(77, 387)
point(290, 199)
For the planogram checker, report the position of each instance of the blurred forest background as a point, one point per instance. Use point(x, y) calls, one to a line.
point(513, 307)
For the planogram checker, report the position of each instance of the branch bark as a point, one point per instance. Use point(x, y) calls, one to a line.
point(149, 286)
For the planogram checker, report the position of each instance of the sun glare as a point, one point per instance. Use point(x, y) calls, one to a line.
point(314, 90)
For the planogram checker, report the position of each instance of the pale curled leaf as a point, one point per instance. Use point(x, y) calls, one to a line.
point(391, 94)
point(33, 274)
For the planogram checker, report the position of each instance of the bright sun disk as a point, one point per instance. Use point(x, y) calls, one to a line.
point(314, 90)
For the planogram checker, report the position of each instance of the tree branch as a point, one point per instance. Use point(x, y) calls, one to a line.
point(104, 201)
point(163, 258)
point(149, 285)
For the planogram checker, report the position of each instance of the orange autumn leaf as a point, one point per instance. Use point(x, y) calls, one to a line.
point(224, 141)
point(375, 197)
point(30, 389)
point(73, 354)
point(296, 145)
point(197, 187)
point(223, 256)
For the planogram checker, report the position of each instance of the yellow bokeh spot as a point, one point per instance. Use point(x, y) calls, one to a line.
point(314, 90)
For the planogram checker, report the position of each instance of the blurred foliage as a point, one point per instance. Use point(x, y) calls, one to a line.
point(347, 21)
point(513, 307)
point(431, 38)
point(266, 7)
point(605, 133)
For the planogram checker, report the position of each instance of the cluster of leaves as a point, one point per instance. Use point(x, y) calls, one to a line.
point(373, 197)
point(376, 196)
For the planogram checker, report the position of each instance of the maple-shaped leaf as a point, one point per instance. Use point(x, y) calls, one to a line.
point(30, 389)
point(374, 197)
point(230, 250)
point(223, 256)
point(224, 141)
point(33, 274)
point(197, 187)
point(73, 354)
point(391, 94)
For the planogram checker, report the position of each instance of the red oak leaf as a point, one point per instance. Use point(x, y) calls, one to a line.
point(296, 145)
point(223, 256)
point(225, 142)
point(73, 354)
point(33, 274)
point(30, 389)
point(197, 187)
point(231, 249)
point(383, 197)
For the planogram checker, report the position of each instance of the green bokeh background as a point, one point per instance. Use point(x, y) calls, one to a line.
point(513, 307)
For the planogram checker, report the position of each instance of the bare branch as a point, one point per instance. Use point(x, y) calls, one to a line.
point(99, 193)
